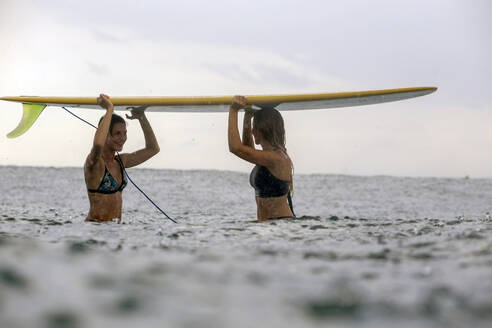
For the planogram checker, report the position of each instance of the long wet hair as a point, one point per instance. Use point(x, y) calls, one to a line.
point(115, 118)
point(270, 124)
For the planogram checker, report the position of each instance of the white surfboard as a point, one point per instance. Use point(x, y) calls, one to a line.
point(33, 105)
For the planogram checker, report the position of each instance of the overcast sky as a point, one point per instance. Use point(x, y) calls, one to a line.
point(171, 48)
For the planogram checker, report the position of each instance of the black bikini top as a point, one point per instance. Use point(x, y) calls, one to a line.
point(266, 184)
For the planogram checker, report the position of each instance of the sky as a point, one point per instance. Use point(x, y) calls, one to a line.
point(191, 48)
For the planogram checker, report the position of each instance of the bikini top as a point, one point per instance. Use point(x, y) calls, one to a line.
point(266, 184)
point(108, 184)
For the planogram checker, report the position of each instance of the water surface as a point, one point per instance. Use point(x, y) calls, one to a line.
point(365, 252)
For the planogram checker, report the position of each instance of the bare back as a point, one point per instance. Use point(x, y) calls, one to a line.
point(276, 207)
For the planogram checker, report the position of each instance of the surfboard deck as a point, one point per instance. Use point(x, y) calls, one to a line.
point(33, 105)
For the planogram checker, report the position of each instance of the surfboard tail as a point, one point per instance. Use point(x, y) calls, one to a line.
point(30, 113)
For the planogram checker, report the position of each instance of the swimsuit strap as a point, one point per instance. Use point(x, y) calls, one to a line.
point(123, 176)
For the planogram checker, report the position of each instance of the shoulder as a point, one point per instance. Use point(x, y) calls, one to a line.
point(122, 158)
point(281, 165)
point(280, 157)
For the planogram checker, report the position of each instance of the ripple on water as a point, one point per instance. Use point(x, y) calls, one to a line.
point(483, 251)
point(34, 221)
point(10, 277)
point(383, 255)
point(8, 218)
point(421, 256)
point(62, 319)
point(128, 304)
point(342, 301)
point(329, 308)
point(318, 227)
point(81, 247)
point(5, 239)
point(328, 255)
point(469, 234)
point(179, 234)
point(421, 244)
point(102, 281)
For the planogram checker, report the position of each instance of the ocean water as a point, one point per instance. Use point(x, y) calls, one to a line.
point(364, 252)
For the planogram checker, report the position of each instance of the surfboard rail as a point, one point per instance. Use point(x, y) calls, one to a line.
point(34, 105)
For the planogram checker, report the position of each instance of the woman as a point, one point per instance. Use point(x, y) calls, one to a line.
point(104, 169)
point(272, 175)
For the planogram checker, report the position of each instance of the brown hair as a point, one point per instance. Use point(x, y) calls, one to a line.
point(115, 118)
point(270, 124)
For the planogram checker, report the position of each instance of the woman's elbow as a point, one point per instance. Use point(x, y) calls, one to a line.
point(235, 149)
point(156, 150)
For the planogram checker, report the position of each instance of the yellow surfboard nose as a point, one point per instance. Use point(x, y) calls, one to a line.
point(30, 113)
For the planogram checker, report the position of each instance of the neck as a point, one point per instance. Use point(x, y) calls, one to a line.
point(107, 154)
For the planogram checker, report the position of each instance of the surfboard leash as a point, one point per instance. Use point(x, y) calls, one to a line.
point(124, 170)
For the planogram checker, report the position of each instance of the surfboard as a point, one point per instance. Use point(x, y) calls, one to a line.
point(34, 105)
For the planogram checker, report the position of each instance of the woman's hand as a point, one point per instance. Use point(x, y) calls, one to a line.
point(137, 114)
point(151, 144)
point(104, 101)
point(239, 102)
